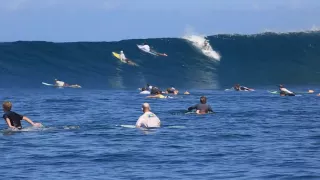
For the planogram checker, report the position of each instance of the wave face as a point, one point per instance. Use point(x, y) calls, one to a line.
point(262, 59)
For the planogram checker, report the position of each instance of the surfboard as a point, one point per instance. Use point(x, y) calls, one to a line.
point(277, 92)
point(118, 57)
point(128, 126)
point(47, 84)
point(129, 61)
point(150, 52)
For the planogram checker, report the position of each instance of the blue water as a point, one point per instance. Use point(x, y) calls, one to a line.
point(253, 60)
point(253, 135)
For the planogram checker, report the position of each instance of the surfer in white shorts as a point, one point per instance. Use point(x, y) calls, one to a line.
point(59, 83)
point(148, 119)
point(145, 47)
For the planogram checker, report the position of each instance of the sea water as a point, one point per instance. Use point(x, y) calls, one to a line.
point(87, 135)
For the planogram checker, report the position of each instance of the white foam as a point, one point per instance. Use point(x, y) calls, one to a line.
point(198, 42)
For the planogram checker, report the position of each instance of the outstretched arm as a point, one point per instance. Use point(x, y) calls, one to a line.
point(28, 120)
point(31, 122)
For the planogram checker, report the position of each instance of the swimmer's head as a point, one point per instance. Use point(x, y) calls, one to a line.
point(146, 107)
point(7, 106)
point(203, 100)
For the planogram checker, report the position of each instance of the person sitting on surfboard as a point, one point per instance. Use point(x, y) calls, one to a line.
point(284, 91)
point(158, 95)
point(148, 119)
point(172, 90)
point(202, 108)
point(14, 119)
point(123, 57)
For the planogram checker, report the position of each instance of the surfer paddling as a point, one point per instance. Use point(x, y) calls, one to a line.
point(59, 83)
point(146, 48)
point(14, 119)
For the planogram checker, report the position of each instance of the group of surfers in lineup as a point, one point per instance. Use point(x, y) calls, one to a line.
point(146, 120)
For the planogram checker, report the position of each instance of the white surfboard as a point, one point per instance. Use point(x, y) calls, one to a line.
point(47, 84)
point(128, 126)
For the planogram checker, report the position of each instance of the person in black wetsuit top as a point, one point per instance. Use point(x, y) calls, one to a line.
point(201, 108)
point(13, 119)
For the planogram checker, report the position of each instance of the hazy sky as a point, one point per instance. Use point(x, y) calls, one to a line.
point(108, 20)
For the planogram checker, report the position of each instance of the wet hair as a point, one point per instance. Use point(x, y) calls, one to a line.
point(7, 106)
point(203, 100)
point(143, 89)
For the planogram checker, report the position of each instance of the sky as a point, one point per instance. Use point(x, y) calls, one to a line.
point(113, 20)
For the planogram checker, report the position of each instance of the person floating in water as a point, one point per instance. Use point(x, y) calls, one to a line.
point(14, 119)
point(148, 119)
point(172, 90)
point(202, 108)
point(284, 91)
point(237, 87)
point(157, 95)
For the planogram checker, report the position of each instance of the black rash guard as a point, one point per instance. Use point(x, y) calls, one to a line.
point(203, 108)
point(15, 119)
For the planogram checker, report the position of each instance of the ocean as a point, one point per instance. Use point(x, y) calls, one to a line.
point(87, 133)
